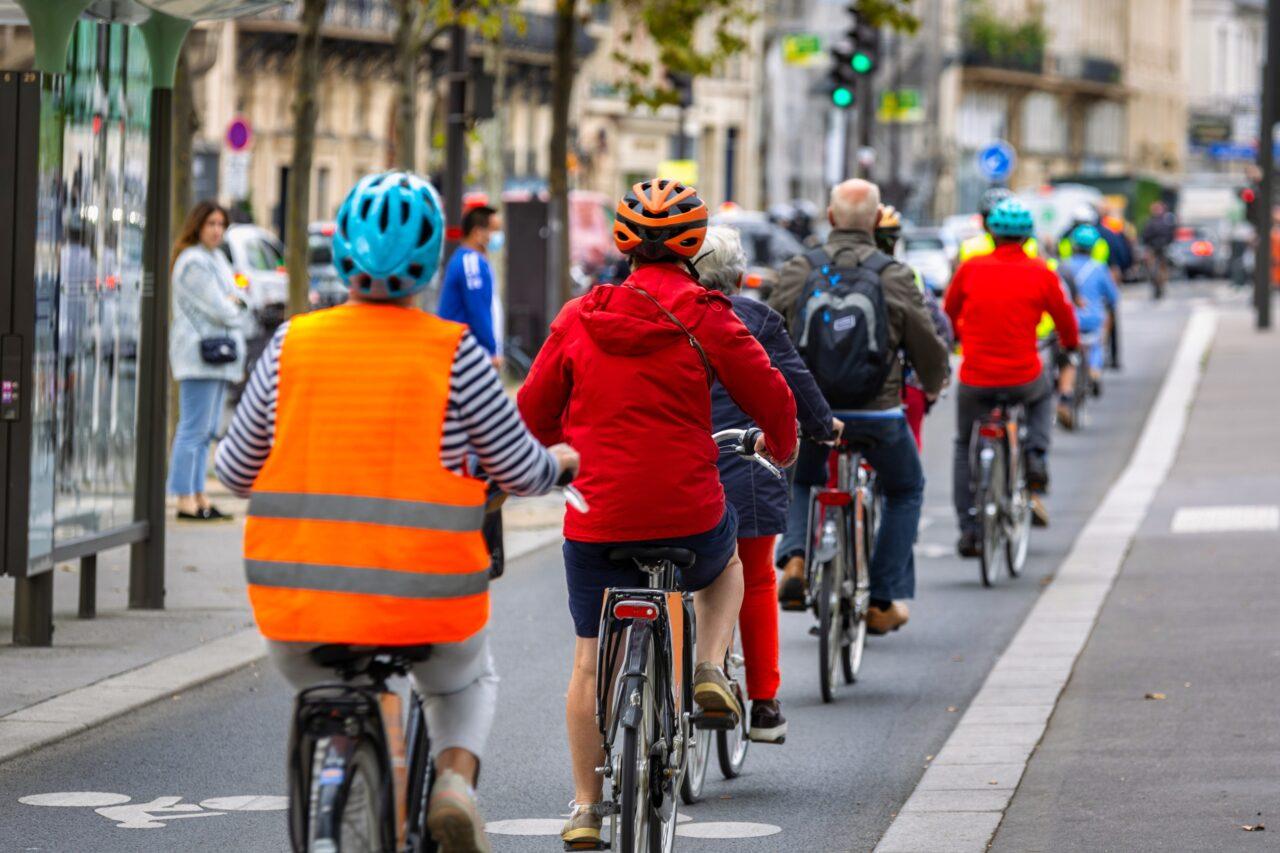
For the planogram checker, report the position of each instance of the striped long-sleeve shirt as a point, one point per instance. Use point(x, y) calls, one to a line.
point(480, 421)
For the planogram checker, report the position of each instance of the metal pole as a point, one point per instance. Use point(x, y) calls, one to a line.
point(146, 558)
point(33, 610)
point(88, 586)
point(866, 117)
point(1266, 163)
point(455, 138)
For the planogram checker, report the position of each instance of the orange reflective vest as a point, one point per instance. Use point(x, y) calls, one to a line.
point(356, 533)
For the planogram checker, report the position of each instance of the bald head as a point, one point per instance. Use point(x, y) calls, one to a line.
point(854, 205)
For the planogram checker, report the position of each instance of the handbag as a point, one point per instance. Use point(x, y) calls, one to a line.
point(218, 350)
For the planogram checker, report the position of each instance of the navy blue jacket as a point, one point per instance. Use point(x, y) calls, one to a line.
point(759, 497)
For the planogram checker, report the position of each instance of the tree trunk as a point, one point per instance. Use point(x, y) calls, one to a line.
point(185, 123)
point(406, 71)
point(562, 76)
point(298, 194)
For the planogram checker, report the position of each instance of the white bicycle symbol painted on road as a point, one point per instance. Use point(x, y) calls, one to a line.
point(154, 814)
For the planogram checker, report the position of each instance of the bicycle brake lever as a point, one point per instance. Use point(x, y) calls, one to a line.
point(767, 465)
point(574, 498)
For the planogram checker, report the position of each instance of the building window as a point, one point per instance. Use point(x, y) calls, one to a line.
point(1104, 130)
point(1044, 128)
point(983, 117)
point(322, 193)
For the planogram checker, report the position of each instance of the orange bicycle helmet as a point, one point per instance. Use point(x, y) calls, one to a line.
point(660, 220)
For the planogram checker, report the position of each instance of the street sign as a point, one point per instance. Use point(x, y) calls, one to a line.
point(235, 180)
point(239, 134)
point(684, 171)
point(802, 49)
point(996, 160)
point(903, 106)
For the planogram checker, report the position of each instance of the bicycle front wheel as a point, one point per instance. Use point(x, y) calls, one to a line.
point(830, 628)
point(731, 744)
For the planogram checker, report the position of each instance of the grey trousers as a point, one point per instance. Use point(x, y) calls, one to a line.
point(457, 683)
point(972, 404)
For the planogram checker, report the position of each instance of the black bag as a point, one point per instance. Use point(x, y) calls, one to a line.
point(844, 329)
point(218, 350)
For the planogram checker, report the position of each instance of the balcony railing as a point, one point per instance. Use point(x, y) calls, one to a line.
point(1031, 61)
point(377, 15)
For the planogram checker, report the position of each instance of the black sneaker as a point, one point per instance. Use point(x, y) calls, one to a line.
point(791, 594)
point(970, 543)
point(1037, 472)
point(767, 723)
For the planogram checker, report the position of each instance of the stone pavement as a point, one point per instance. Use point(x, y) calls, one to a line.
point(99, 668)
point(1165, 737)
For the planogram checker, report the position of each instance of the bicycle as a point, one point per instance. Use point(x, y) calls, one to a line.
point(1003, 501)
point(843, 519)
point(360, 769)
point(644, 696)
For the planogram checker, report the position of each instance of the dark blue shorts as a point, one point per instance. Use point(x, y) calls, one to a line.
point(590, 572)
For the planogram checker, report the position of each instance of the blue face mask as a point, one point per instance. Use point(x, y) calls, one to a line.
point(497, 240)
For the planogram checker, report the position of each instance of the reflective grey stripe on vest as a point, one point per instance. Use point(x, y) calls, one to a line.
point(827, 299)
point(365, 581)
point(396, 513)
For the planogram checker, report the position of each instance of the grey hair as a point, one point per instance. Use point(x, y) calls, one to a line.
point(855, 204)
point(722, 261)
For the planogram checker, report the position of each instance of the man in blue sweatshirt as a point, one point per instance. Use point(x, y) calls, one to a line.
point(468, 295)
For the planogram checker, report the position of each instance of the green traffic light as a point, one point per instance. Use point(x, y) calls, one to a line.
point(842, 96)
point(861, 63)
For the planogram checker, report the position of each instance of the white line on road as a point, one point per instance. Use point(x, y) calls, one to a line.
point(1225, 519)
point(945, 814)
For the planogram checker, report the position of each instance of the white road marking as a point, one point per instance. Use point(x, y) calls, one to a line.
point(75, 799)
point(932, 550)
point(153, 815)
point(525, 826)
point(1225, 519)
point(247, 804)
point(1064, 615)
point(727, 829)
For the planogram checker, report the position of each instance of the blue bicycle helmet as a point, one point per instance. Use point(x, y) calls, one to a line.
point(389, 236)
point(1011, 219)
point(1084, 237)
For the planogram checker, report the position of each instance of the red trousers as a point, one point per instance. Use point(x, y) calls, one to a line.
point(758, 619)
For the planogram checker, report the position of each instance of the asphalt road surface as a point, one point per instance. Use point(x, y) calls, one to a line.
point(204, 770)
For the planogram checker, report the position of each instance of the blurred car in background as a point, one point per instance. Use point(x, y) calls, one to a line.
point(767, 245)
point(327, 287)
point(929, 251)
point(1202, 250)
point(257, 262)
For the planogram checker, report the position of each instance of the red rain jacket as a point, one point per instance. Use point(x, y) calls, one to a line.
point(619, 381)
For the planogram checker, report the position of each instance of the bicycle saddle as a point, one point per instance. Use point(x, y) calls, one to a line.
point(344, 655)
point(682, 558)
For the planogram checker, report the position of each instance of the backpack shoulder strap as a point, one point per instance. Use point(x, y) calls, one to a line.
point(877, 262)
point(817, 258)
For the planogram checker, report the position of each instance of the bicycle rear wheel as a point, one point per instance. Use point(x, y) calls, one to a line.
point(732, 744)
point(990, 503)
point(859, 598)
point(695, 772)
point(1019, 522)
point(829, 626)
point(635, 819)
point(360, 824)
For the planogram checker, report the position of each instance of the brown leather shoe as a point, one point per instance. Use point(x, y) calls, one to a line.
point(791, 592)
point(881, 622)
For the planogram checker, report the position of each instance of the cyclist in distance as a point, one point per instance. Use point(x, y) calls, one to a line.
point(352, 441)
point(759, 498)
point(853, 212)
point(1095, 295)
point(995, 302)
point(626, 377)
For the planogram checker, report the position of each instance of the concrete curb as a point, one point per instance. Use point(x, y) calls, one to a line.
point(961, 799)
point(81, 709)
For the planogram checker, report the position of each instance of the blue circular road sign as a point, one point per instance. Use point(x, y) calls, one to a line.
point(996, 160)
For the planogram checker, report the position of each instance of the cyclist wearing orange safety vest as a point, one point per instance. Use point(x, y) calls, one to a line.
point(352, 441)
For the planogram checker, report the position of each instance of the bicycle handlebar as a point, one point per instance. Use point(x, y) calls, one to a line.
point(744, 444)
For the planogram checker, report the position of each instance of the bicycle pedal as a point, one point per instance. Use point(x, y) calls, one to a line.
point(813, 631)
point(718, 721)
point(585, 845)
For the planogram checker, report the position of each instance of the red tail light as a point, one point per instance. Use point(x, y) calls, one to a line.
point(832, 497)
point(1202, 248)
point(991, 431)
point(752, 281)
point(645, 610)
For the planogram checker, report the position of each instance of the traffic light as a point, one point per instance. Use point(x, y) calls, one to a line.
point(842, 78)
point(1249, 198)
point(866, 49)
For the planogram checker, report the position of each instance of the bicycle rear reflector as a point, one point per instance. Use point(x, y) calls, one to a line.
point(646, 610)
point(991, 431)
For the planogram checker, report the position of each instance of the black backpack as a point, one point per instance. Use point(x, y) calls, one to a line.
point(844, 329)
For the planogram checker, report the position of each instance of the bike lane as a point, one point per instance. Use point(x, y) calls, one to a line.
point(835, 785)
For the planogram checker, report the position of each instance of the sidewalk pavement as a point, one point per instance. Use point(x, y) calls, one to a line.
point(100, 668)
point(1165, 737)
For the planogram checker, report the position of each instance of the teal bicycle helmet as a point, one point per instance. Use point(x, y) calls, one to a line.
point(1084, 238)
point(1011, 219)
point(389, 236)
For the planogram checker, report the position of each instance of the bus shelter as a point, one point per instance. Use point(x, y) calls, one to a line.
point(85, 152)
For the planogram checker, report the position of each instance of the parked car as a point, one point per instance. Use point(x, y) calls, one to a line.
point(926, 250)
point(1201, 250)
point(768, 246)
point(327, 287)
point(257, 260)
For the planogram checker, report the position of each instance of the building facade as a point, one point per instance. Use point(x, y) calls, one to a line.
point(1226, 48)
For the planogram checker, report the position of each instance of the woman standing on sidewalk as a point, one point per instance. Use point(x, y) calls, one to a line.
point(760, 498)
point(206, 352)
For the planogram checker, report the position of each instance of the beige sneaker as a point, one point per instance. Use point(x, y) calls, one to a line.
point(881, 622)
point(582, 829)
point(452, 817)
point(712, 691)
